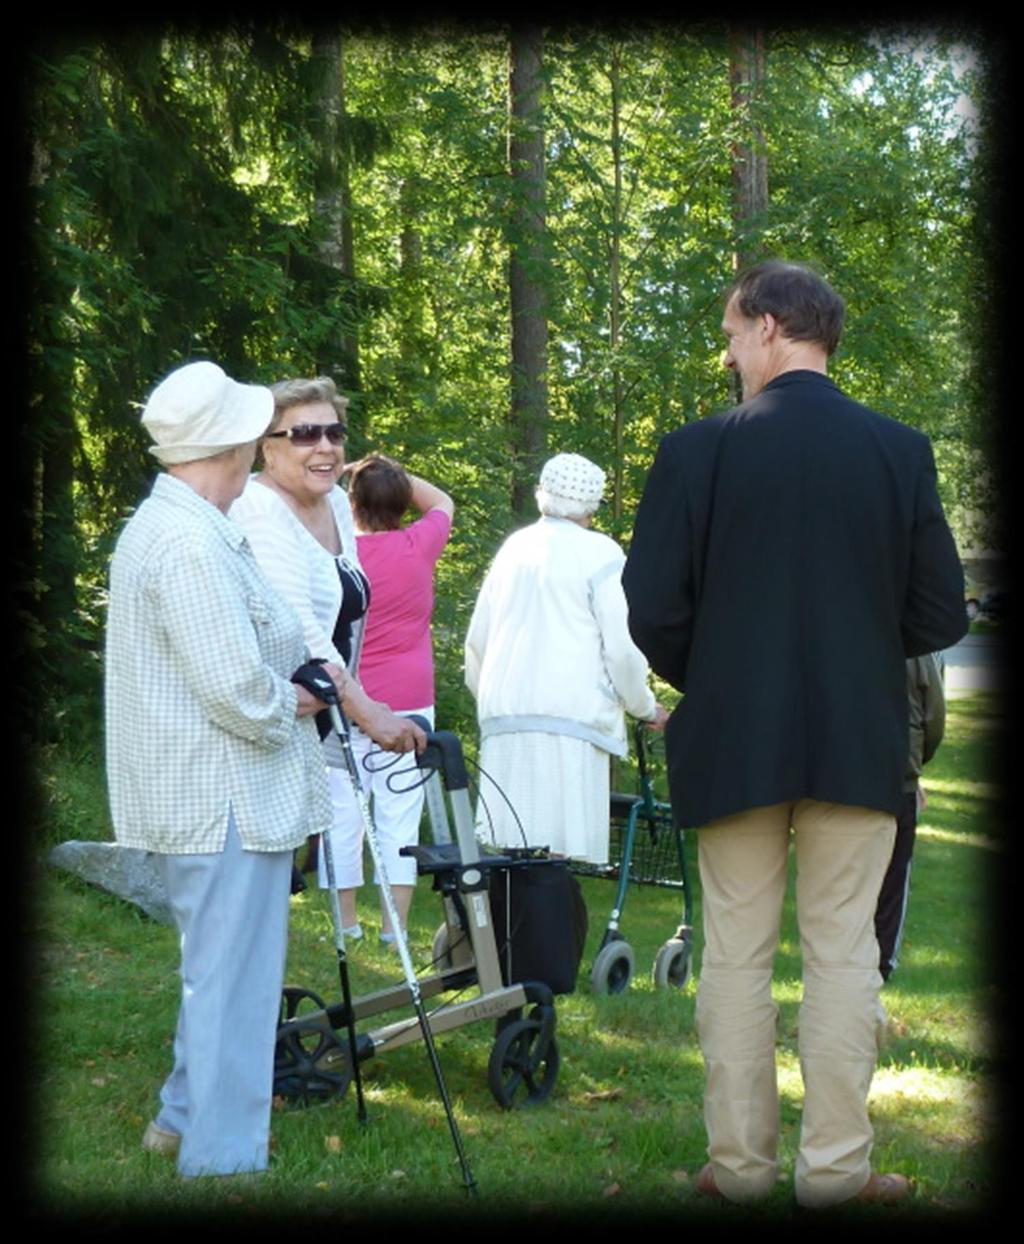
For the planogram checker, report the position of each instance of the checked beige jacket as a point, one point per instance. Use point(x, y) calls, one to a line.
point(200, 712)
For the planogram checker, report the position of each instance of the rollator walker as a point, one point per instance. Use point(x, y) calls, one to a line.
point(646, 847)
point(313, 1064)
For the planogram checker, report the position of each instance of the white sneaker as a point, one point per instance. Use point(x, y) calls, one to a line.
point(353, 933)
point(157, 1139)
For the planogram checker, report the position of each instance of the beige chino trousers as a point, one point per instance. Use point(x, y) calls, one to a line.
point(841, 855)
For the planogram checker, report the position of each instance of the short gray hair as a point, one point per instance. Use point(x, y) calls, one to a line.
point(563, 507)
point(301, 391)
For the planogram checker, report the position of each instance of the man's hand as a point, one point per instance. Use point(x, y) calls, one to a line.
point(660, 718)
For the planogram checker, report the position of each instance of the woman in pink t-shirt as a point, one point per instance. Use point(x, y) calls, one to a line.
point(396, 665)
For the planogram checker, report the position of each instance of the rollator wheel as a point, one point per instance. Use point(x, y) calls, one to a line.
point(524, 1065)
point(440, 948)
point(613, 967)
point(311, 1064)
point(672, 965)
point(294, 999)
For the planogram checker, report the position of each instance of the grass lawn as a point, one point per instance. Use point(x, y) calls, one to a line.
point(622, 1135)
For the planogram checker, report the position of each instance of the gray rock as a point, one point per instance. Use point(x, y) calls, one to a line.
point(127, 872)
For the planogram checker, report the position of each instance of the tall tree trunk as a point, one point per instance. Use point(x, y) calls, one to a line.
point(332, 192)
point(527, 285)
point(615, 283)
point(47, 565)
point(749, 160)
point(410, 266)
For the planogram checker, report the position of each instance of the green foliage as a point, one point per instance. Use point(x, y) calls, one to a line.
point(174, 216)
point(172, 219)
point(873, 177)
point(660, 191)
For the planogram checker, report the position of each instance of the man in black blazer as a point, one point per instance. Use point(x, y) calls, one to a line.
point(788, 555)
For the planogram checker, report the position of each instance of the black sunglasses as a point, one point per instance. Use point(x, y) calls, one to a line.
point(310, 433)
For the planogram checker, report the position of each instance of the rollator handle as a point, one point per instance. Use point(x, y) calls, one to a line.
point(443, 752)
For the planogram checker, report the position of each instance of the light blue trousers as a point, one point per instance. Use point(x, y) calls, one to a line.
point(231, 909)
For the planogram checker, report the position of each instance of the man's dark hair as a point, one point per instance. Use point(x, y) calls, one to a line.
point(380, 491)
point(806, 307)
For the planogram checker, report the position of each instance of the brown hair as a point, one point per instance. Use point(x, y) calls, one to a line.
point(380, 491)
point(806, 307)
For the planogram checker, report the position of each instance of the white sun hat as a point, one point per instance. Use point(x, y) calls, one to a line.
point(198, 411)
point(574, 478)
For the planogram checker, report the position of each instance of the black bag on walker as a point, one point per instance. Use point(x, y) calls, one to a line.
point(540, 922)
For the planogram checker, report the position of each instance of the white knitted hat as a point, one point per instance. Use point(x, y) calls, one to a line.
point(574, 477)
point(198, 411)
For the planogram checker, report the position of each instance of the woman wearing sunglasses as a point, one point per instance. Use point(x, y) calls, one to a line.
point(299, 524)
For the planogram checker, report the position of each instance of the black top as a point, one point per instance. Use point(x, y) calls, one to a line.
point(355, 600)
point(787, 556)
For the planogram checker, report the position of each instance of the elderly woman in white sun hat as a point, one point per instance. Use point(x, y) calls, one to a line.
point(213, 761)
point(553, 669)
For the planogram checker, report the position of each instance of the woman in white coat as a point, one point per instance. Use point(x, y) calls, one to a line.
point(299, 524)
point(553, 669)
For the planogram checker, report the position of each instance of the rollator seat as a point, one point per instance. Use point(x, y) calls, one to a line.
point(441, 857)
point(622, 805)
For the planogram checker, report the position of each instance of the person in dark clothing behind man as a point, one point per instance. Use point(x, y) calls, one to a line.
point(927, 699)
point(787, 556)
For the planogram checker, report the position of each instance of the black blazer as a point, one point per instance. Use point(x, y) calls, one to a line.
point(787, 556)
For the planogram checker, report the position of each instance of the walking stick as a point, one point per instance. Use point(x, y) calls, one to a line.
point(323, 687)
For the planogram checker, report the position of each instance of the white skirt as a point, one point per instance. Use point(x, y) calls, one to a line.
point(559, 788)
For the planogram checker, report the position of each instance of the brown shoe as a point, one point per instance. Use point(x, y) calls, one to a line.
point(885, 1189)
point(159, 1140)
point(706, 1182)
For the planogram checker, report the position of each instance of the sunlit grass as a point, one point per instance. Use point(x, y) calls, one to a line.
point(962, 787)
point(961, 839)
point(623, 1132)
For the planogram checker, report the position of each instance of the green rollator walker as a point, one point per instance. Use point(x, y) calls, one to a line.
point(646, 847)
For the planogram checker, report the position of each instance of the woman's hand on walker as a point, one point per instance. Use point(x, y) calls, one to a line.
point(387, 729)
